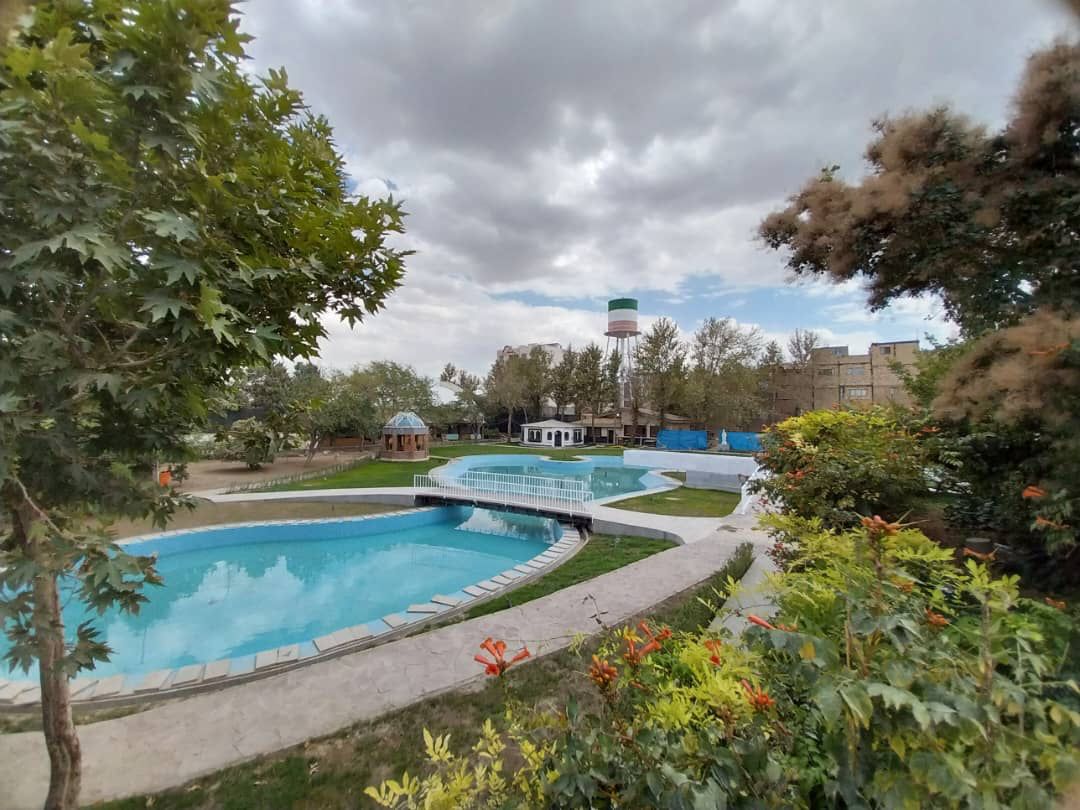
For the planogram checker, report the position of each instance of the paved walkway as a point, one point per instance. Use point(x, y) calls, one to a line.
point(171, 744)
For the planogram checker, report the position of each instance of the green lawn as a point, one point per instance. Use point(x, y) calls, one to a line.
point(683, 502)
point(331, 773)
point(400, 473)
point(458, 450)
point(603, 553)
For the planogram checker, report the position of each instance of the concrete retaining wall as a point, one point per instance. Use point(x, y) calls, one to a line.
point(724, 482)
point(717, 464)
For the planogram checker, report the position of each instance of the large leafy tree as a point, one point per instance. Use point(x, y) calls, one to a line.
point(561, 382)
point(990, 223)
point(661, 361)
point(393, 387)
point(986, 220)
point(723, 387)
point(536, 379)
point(505, 387)
point(164, 217)
point(589, 389)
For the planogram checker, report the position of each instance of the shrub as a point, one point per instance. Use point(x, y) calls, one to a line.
point(836, 465)
point(891, 678)
point(250, 441)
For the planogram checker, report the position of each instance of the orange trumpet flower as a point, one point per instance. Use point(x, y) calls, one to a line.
point(498, 663)
point(1032, 491)
point(935, 619)
point(760, 622)
point(978, 555)
point(602, 673)
point(714, 645)
point(759, 698)
point(1055, 603)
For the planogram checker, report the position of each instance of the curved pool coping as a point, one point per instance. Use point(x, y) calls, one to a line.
point(664, 485)
point(121, 689)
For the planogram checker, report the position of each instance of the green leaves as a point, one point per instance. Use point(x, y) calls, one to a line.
point(171, 224)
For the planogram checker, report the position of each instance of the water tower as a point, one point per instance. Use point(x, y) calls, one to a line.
point(622, 333)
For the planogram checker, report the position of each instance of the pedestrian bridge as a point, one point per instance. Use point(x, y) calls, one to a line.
point(561, 498)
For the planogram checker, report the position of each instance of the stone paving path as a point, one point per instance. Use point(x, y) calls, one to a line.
point(169, 745)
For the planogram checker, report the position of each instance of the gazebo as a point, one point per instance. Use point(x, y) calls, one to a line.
point(405, 438)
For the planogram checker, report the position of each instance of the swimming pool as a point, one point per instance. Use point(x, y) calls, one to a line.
point(606, 476)
point(233, 591)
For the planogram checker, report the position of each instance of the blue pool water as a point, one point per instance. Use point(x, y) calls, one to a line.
point(231, 592)
point(606, 476)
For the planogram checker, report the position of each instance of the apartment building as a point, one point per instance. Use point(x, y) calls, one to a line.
point(553, 350)
point(837, 378)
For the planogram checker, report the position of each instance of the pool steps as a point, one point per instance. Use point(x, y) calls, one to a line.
point(166, 682)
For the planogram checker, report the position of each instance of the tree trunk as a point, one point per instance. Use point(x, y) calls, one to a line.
point(509, 421)
point(61, 741)
point(65, 774)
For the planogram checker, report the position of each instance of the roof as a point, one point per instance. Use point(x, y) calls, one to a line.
point(551, 423)
point(406, 422)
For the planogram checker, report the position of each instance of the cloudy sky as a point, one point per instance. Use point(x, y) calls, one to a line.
point(556, 153)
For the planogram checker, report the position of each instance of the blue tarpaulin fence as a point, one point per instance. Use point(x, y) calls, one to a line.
point(745, 442)
point(682, 439)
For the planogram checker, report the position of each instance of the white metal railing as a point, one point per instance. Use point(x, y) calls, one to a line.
point(510, 489)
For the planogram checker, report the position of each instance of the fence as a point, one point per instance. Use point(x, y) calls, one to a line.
point(270, 483)
point(511, 490)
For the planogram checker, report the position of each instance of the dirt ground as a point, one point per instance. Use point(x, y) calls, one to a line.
point(218, 474)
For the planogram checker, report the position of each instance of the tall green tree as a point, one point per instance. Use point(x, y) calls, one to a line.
point(393, 387)
point(561, 381)
point(723, 389)
point(165, 217)
point(535, 369)
point(589, 389)
point(661, 362)
point(505, 387)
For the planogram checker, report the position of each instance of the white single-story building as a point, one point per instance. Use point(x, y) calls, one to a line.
point(552, 433)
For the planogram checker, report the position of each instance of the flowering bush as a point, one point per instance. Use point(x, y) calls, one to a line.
point(890, 678)
point(837, 465)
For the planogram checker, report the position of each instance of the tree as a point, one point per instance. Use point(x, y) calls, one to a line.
point(723, 387)
point(393, 387)
point(986, 221)
point(771, 370)
point(164, 217)
point(589, 386)
point(561, 381)
point(801, 345)
point(449, 373)
point(535, 369)
point(505, 387)
point(661, 361)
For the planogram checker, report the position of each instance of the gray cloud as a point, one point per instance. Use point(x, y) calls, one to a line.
point(629, 145)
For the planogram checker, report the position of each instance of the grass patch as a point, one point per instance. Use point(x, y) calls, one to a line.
point(683, 502)
point(603, 553)
point(331, 773)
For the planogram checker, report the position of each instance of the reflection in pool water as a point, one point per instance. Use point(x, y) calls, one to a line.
point(232, 592)
point(605, 475)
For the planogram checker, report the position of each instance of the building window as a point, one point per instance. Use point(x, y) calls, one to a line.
point(566, 434)
point(534, 435)
point(857, 393)
point(886, 349)
point(824, 372)
point(838, 352)
point(549, 435)
point(577, 436)
point(855, 371)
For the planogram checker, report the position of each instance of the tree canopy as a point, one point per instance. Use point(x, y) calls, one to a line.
point(165, 217)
